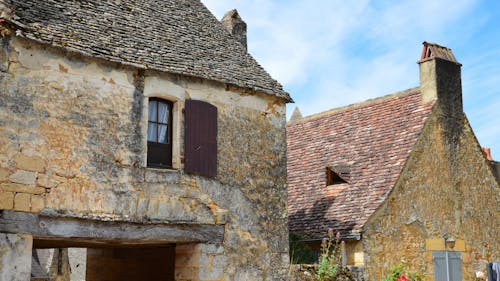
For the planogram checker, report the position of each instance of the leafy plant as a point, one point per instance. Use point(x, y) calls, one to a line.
point(399, 273)
point(330, 260)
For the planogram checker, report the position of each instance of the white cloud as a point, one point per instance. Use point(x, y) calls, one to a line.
point(330, 53)
point(348, 50)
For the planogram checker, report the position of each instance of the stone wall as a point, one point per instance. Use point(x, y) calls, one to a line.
point(446, 188)
point(72, 143)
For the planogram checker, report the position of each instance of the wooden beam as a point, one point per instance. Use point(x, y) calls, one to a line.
point(106, 232)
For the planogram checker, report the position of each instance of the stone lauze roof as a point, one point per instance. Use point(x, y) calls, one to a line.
point(372, 138)
point(176, 36)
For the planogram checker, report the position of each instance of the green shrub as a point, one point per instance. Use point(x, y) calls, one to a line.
point(330, 260)
point(399, 273)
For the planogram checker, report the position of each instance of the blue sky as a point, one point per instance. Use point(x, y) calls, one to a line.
point(330, 53)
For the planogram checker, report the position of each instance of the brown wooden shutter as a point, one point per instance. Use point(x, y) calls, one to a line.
point(200, 138)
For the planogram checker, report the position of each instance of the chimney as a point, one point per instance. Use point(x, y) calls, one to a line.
point(296, 115)
point(236, 26)
point(487, 153)
point(440, 79)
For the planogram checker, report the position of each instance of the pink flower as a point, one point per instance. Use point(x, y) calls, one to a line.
point(338, 235)
point(330, 232)
point(403, 278)
point(480, 275)
point(323, 243)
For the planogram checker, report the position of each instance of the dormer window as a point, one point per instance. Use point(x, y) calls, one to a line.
point(337, 174)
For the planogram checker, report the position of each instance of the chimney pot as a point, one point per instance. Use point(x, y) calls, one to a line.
point(235, 26)
point(440, 79)
point(487, 153)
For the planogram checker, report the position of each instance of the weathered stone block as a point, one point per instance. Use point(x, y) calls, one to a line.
point(64, 172)
point(17, 187)
point(359, 258)
point(434, 244)
point(186, 273)
point(29, 163)
point(78, 262)
point(4, 174)
point(212, 249)
point(211, 273)
point(48, 182)
point(466, 258)
point(24, 177)
point(221, 216)
point(22, 202)
point(37, 203)
point(187, 255)
point(6, 200)
point(152, 207)
point(163, 176)
point(142, 207)
point(15, 257)
point(219, 261)
point(459, 245)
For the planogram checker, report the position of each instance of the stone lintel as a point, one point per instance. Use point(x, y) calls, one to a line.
point(79, 232)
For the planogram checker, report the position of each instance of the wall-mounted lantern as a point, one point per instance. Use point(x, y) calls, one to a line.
point(449, 241)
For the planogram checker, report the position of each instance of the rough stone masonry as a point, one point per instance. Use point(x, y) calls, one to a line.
point(73, 172)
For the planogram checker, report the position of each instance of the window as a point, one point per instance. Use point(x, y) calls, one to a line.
point(159, 133)
point(200, 137)
point(337, 174)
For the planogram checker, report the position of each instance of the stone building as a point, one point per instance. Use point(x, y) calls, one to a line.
point(143, 132)
point(401, 177)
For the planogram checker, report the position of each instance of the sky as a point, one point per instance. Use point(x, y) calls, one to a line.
point(330, 53)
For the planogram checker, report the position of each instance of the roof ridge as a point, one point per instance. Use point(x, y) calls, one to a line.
point(171, 36)
point(355, 105)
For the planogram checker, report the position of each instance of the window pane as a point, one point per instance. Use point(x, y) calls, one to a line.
point(152, 110)
point(151, 132)
point(162, 134)
point(163, 112)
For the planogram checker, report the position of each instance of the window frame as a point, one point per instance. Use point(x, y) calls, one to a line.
point(154, 147)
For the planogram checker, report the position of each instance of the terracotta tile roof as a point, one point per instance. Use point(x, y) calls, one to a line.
point(176, 36)
point(372, 138)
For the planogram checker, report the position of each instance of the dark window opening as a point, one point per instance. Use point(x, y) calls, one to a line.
point(335, 177)
point(159, 133)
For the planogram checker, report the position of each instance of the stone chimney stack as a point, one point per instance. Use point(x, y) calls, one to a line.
point(236, 26)
point(440, 79)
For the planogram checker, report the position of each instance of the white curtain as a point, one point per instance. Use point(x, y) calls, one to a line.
point(152, 111)
point(162, 133)
point(152, 132)
point(162, 113)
